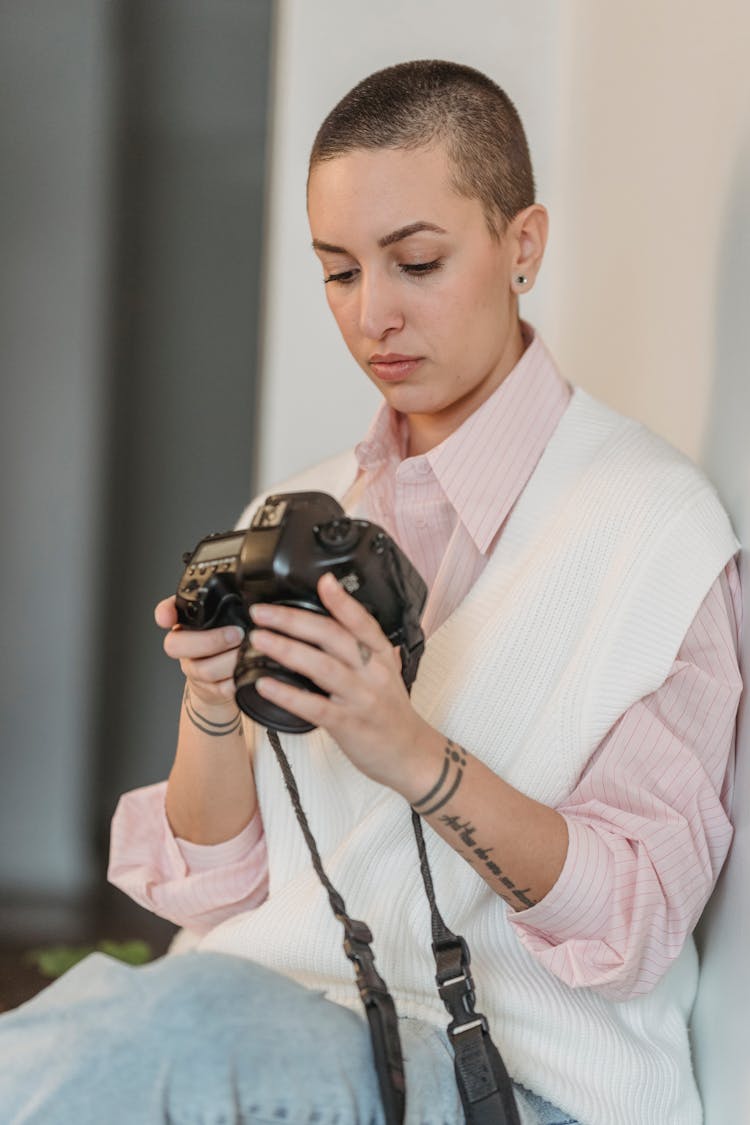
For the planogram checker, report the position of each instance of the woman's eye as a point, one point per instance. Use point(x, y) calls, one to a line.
point(418, 268)
point(346, 277)
point(413, 269)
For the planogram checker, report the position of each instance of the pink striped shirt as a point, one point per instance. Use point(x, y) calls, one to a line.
point(648, 822)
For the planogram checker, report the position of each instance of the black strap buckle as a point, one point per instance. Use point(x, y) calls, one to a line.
point(357, 941)
point(381, 1016)
point(456, 984)
point(485, 1087)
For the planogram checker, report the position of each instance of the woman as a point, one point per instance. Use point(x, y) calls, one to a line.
point(568, 737)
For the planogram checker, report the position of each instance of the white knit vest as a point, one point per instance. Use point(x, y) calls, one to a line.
point(580, 612)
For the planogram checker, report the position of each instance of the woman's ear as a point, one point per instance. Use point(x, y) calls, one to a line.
point(528, 234)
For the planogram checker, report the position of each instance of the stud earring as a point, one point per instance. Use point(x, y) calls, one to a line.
point(521, 279)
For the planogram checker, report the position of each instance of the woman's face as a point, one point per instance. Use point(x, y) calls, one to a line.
point(420, 289)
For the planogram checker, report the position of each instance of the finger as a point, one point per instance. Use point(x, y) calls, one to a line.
point(328, 672)
point(211, 669)
point(314, 709)
point(312, 628)
point(194, 644)
point(165, 613)
point(351, 614)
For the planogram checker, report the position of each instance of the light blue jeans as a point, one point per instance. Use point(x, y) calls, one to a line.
point(209, 1039)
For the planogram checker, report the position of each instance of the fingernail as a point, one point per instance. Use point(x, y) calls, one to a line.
point(233, 635)
point(261, 613)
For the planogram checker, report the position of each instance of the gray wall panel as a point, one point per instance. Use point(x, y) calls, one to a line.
point(131, 215)
point(53, 115)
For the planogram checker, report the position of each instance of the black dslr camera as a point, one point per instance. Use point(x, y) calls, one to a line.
point(295, 538)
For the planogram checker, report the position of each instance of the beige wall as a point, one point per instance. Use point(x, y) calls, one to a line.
point(654, 111)
point(649, 275)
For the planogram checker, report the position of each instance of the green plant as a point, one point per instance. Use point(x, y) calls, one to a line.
point(54, 960)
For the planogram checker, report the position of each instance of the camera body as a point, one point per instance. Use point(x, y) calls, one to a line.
point(295, 538)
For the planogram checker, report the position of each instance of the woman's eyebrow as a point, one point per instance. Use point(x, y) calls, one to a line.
point(386, 240)
point(405, 232)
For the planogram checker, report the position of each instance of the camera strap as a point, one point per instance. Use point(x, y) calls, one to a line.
point(483, 1081)
point(377, 1000)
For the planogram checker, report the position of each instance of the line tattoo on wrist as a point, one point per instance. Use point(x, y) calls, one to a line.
point(454, 761)
point(206, 725)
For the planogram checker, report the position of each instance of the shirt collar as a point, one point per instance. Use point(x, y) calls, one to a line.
point(384, 441)
point(484, 465)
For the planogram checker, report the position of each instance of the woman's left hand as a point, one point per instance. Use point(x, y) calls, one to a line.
point(367, 710)
point(370, 716)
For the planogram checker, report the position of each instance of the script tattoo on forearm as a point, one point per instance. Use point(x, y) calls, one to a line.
point(446, 787)
point(206, 725)
point(466, 833)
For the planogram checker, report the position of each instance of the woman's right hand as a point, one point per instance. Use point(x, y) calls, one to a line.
point(207, 656)
point(211, 790)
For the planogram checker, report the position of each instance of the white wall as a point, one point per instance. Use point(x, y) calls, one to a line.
point(639, 121)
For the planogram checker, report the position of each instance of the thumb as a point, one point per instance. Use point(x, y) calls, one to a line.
point(165, 613)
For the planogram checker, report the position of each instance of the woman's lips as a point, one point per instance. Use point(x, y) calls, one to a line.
point(393, 368)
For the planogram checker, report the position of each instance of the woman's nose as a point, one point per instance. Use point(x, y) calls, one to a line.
point(380, 310)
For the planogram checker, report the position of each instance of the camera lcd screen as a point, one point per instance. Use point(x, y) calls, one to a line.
point(218, 549)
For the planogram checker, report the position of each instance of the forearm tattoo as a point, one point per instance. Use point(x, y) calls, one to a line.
point(466, 832)
point(208, 726)
point(446, 787)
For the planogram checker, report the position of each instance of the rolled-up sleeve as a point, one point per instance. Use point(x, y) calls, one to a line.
point(193, 885)
point(649, 822)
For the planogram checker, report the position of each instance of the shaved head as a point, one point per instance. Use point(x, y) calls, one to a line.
point(417, 104)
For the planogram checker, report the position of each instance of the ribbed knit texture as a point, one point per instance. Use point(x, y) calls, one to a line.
point(580, 611)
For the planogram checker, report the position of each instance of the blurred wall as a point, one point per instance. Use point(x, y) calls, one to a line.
point(54, 104)
point(131, 203)
point(187, 221)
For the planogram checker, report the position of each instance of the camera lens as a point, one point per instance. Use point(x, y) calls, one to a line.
point(251, 665)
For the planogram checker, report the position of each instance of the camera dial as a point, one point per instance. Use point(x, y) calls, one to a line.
point(338, 535)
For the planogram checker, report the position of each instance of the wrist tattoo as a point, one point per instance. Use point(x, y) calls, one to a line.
point(206, 725)
point(454, 761)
